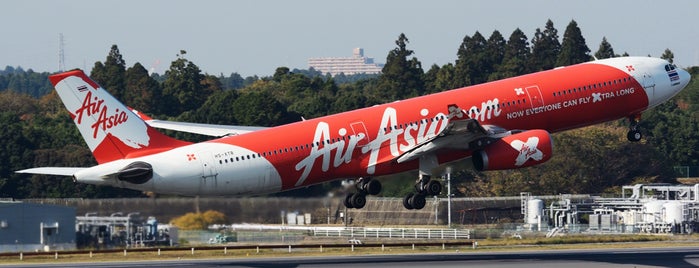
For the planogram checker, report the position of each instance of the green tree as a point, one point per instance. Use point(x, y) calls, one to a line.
point(473, 62)
point(516, 58)
point(234, 81)
point(349, 97)
point(668, 55)
point(545, 48)
point(401, 76)
point(110, 75)
point(185, 87)
point(573, 48)
point(259, 108)
point(605, 50)
point(15, 153)
point(142, 91)
point(496, 48)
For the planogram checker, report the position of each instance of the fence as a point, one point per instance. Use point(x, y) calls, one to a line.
point(395, 233)
point(416, 233)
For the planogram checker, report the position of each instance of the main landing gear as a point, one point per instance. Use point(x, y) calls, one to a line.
point(423, 187)
point(634, 133)
point(364, 186)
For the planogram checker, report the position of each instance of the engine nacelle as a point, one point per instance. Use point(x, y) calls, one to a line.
point(519, 150)
point(137, 173)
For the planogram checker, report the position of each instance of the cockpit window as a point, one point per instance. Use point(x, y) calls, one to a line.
point(670, 67)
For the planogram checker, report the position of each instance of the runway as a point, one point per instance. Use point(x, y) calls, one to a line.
point(634, 257)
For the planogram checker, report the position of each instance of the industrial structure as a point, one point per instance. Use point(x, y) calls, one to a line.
point(357, 64)
point(36, 227)
point(118, 230)
point(652, 208)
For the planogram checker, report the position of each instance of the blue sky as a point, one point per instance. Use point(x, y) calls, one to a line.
point(256, 37)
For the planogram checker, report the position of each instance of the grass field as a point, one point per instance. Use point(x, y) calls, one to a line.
point(508, 244)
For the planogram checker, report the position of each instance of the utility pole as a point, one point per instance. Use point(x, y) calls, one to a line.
point(449, 197)
point(61, 55)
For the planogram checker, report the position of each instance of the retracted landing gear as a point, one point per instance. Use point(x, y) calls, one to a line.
point(634, 133)
point(365, 186)
point(423, 187)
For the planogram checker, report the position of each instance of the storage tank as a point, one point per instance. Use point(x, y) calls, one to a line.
point(535, 210)
point(673, 212)
point(653, 211)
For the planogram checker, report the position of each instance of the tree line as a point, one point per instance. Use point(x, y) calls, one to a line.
point(39, 132)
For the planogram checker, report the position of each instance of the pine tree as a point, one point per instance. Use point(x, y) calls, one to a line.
point(496, 47)
point(668, 55)
point(473, 64)
point(573, 48)
point(605, 50)
point(516, 58)
point(142, 91)
point(545, 48)
point(401, 76)
point(110, 75)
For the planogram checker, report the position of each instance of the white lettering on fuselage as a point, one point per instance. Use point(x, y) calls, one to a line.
point(320, 148)
point(592, 98)
point(390, 130)
point(488, 110)
point(600, 96)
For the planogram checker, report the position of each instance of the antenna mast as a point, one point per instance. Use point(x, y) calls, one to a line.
point(61, 56)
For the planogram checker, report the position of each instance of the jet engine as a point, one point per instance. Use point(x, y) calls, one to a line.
point(519, 150)
point(136, 173)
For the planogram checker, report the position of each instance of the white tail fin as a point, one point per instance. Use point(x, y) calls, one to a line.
point(110, 129)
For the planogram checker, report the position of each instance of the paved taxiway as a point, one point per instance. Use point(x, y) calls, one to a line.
point(636, 257)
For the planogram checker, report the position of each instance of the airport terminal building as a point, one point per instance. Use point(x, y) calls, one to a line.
point(28, 227)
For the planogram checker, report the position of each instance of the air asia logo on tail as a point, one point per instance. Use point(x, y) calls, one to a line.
point(98, 114)
point(104, 121)
point(527, 150)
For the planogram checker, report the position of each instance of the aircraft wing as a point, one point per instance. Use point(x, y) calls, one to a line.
point(203, 129)
point(461, 133)
point(59, 171)
point(197, 128)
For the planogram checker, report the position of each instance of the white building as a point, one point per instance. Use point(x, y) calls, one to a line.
point(357, 64)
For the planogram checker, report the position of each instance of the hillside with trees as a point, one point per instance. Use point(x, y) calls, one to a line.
point(37, 131)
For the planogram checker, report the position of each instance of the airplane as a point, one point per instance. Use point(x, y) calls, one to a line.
point(504, 124)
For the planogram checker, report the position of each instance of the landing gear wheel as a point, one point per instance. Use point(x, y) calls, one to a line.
point(433, 188)
point(348, 201)
point(406, 201)
point(373, 187)
point(634, 135)
point(418, 201)
point(358, 200)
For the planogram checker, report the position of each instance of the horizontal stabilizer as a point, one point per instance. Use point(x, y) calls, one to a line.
point(203, 129)
point(58, 171)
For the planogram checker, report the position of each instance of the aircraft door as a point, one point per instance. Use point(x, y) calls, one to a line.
point(535, 97)
point(209, 176)
point(648, 83)
point(358, 129)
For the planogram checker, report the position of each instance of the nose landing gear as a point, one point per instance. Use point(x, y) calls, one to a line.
point(634, 133)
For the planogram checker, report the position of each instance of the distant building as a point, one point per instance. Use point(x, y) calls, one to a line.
point(357, 64)
point(36, 227)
